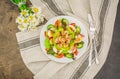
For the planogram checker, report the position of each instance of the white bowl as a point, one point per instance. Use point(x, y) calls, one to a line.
point(71, 20)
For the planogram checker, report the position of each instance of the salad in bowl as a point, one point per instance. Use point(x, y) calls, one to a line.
point(63, 39)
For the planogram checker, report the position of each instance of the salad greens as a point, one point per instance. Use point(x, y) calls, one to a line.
point(63, 39)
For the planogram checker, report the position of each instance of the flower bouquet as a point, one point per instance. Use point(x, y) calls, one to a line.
point(29, 18)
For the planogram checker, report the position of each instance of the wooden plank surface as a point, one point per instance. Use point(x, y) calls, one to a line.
point(11, 64)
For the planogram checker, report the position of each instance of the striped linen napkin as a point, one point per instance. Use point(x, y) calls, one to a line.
point(103, 12)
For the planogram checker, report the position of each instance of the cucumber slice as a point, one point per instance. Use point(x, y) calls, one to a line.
point(64, 51)
point(80, 45)
point(65, 21)
point(50, 26)
point(69, 55)
point(55, 55)
point(78, 29)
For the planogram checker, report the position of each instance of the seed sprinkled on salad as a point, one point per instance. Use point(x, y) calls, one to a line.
point(63, 39)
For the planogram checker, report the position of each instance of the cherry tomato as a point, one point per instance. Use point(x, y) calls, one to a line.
point(76, 52)
point(73, 24)
point(75, 45)
point(60, 55)
point(57, 23)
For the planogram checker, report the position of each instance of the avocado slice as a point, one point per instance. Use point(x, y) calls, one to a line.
point(47, 43)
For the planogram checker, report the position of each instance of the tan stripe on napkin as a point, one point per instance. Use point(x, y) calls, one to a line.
point(49, 70)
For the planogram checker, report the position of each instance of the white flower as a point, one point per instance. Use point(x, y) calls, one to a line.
point(30, 21)
point(31, 17)
point(34, 20)
point(25, 20)
point(22, 27)
point(19, 20)
point(36, 9)
point(24, 13)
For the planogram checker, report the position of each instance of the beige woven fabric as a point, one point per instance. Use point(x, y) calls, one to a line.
point(103, 12)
